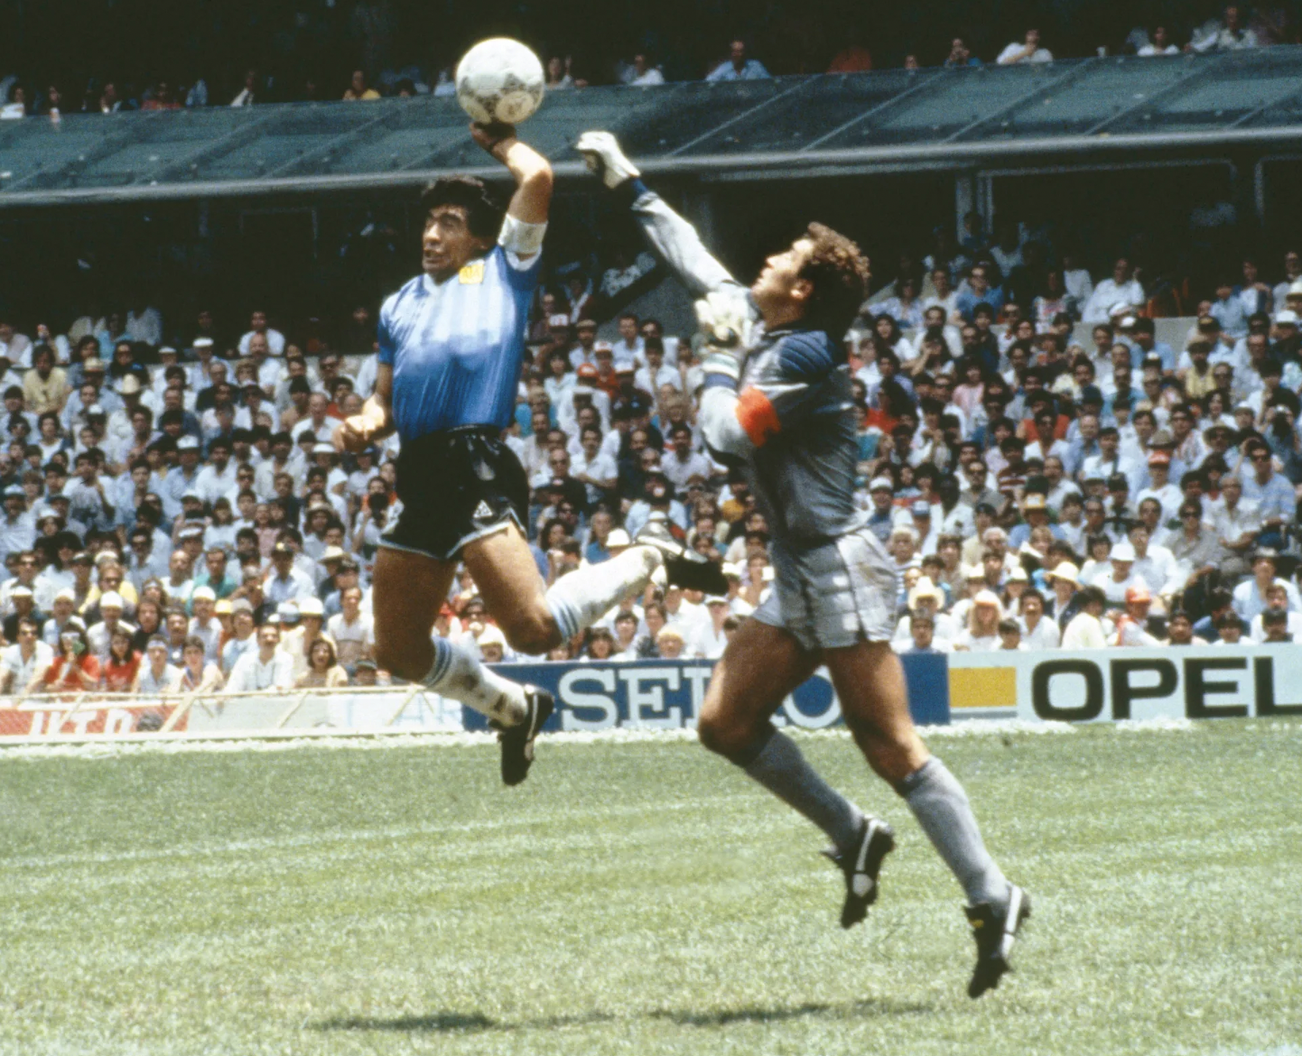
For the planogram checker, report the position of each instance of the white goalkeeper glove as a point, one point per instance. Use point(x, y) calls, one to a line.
point(723, 317)
point(604, 158)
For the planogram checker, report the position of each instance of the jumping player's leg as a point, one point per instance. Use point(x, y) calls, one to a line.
point(761, 665)
point(870, 684)
point(535, 619)
point(410, 588)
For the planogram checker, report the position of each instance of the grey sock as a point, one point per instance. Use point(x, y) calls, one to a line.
point(781, 768)
point(942, 809)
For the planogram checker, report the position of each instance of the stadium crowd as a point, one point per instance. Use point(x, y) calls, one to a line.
point(1044, 472)
point(359, 63)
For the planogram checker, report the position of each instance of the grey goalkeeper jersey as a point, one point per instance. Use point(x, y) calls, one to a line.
point(789, 419)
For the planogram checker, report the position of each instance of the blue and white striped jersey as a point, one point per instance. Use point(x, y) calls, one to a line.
point(456, 347)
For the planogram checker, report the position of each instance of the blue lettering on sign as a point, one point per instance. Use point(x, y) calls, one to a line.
point(668, 694)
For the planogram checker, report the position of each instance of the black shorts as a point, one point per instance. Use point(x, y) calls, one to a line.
point(456, 486)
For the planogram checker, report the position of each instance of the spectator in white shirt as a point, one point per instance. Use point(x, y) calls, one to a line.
point(258, 325)
point(1160, 44)
point(708, 640)
point(680, 463)
point(267, 669)
point(640, 73)
point(1027, 51)
point(1121, 293)
point(1038, 631)
point(23, 662)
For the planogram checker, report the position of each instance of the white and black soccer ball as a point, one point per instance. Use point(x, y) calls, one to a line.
point(500, 80)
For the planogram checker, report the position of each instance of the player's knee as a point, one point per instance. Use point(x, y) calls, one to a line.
point(400, 663)
point(723, 736)
point(531, 631)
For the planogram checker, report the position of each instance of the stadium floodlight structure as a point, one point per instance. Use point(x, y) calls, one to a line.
point(1061, 115)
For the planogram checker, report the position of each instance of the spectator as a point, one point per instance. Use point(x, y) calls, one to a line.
point(1159, 44)
point(323, 669)
point(158, 677)
point(24, 663)
point(1229, 34)
point(75, 668)
point(358, 89)
point(641, 74)
point(1114, 297)
point(1028, 51)
point(738, 67)
point(960, 55)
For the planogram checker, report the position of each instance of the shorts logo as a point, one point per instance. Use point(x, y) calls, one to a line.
point(483, 510)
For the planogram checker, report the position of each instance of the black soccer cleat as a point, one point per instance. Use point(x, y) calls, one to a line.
point(518, 741)
point(684, 567)
point(861, 863)
point(995, 931)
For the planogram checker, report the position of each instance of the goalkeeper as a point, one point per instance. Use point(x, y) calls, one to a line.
point(777, 401)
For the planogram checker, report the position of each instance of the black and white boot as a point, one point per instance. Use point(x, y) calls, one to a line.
point(995, 930)
point(684, 567)
point(861, 863)
point(518, 741)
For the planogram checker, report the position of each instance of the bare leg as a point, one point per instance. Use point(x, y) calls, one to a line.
point(409, 591)
point(535, 619)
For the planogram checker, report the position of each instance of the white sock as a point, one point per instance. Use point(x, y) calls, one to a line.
point(457, 673)
point(580, 599)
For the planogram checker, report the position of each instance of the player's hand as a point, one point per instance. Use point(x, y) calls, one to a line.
point(722, 319)
point(604, 158)
point(490, 136)
point(354, 435)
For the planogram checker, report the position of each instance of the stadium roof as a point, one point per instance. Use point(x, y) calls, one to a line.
point(890, 120)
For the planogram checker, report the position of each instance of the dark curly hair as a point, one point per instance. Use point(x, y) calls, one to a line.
point(484, 213)
point(839, 273)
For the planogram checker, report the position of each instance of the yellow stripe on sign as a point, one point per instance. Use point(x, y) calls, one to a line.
point(983, 687)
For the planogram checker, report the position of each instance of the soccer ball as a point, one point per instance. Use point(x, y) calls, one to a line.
point(499, 80)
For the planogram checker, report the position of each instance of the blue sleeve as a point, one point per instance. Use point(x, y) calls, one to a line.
point(522, 279)
point(384, 334)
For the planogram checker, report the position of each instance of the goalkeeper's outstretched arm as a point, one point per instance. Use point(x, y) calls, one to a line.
point(672, 237)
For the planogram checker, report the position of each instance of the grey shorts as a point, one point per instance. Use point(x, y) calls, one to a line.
point(834, 595)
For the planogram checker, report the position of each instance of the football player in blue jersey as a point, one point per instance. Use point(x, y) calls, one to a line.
point(777, 402)
point(452, 344)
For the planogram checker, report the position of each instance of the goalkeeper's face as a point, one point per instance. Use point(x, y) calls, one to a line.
point(780, 293)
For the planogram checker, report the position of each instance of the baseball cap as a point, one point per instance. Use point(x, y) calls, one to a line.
point(1138, 593)
point(586, 371)
point(1123, 551)
point(1034, 501)
point(878, 483)
point(113, 600)
point(311, 607)
point(187, 443)
point(715, 599)
point(15, 491)
point(1159, 458)
point(920, 508)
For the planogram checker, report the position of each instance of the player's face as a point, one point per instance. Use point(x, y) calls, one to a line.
point(778, 285)
point(448, 244)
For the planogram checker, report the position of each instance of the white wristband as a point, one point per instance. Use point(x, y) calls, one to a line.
point(521, 238)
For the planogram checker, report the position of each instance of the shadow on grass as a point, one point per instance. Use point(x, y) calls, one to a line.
point(456, 1023)
point(477, 1022)
point(725, 1016)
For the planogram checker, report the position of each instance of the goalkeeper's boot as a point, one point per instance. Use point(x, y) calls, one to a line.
point(861, 862)
point(684, 567)
point(601, 151)
point(518, 741)
point(995, 930)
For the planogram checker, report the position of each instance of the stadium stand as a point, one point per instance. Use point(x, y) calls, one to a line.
point(1033, 427)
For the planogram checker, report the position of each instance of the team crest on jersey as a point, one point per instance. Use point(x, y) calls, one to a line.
point(483, 510)
point(472, 274)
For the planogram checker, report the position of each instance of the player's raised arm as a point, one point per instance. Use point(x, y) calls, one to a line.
point(533, 174)
point(672, 237)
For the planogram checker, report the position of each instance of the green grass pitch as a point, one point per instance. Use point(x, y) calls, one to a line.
point(644, 898)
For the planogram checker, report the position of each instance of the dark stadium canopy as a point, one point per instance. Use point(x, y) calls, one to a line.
point(891, 120)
